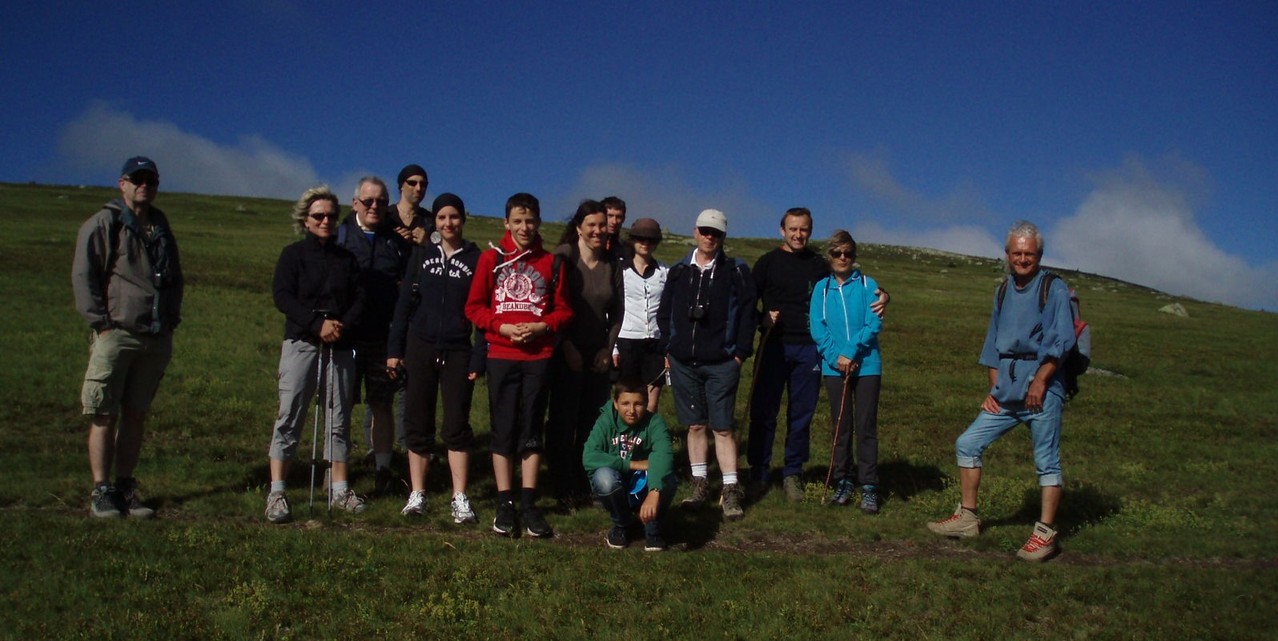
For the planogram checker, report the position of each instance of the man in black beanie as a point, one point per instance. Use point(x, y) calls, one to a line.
point(411, 220)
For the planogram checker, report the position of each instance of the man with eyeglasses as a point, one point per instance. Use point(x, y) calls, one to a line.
point(706, 320)
point(382, 254)
point(787, 357)
point(128, 285)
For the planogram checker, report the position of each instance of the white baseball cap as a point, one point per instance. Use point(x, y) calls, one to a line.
point(714, 219)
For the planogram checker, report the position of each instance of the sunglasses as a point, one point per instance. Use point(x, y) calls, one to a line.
point(147, 179)
point(414, 182)
point(369, 202)
point(710, 231)
point(319, 218)
point(842, 253)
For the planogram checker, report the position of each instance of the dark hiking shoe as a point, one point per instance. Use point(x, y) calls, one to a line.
point(655, 543)
point(869, 499)
point(105, 503)
point(700, 492)
point(133, 506)
point(730, 501)
point(842, 492)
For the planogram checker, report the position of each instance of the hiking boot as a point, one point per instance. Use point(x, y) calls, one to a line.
point(842, 492)
point(655, 543)
point(461, 509)
point(504, 521)
point(105, 503)
point(132, 500)
point(348, 501)
point(535, 524)
point(730, 501)
point(416, 504)
point(1041, 544)
point(700, 492)
point(617, 537)
point(793, 489)
point(869, 499)
point(962, 523)
point(277, 510)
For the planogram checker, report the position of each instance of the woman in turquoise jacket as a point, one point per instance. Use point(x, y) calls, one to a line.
point(847, 335)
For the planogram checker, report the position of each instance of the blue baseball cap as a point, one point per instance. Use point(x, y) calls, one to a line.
point(139, 163)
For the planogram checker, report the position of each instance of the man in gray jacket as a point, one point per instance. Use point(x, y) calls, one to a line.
point(128, 285)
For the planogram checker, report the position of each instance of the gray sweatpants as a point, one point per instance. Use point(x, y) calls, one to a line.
point(299, 367)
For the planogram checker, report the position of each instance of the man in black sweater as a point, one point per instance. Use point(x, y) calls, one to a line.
point(787, 356)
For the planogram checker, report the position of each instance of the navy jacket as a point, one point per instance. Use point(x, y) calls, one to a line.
point(381, 261)
point(726, 295)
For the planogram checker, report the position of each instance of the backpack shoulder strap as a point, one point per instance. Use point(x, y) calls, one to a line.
point(1044, 288)
point(1002, 291)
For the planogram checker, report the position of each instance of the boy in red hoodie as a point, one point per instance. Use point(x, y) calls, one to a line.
point(519, 301)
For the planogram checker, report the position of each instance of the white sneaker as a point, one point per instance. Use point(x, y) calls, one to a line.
point(461, 509)
point(416, 504)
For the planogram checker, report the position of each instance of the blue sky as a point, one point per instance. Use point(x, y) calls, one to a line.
point(1142, 137)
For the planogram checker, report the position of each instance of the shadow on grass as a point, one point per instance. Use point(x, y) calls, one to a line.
point(694, 527)
point(1082, 505)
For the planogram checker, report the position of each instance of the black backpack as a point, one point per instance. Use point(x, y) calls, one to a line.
point(1079, 358)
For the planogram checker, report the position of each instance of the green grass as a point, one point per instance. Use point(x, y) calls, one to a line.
point(1169, 509)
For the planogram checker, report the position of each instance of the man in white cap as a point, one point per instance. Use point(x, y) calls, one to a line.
point(707, 319)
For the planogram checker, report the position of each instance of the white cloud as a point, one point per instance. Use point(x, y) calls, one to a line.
point(664, 194)
point(1140, 228)
point(102, 137)
point(870, 174)
point(960, 239)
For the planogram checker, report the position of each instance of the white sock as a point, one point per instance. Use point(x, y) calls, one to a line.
point(340, 486)
point(729, 478)
point(277, 486)
point(699, 470)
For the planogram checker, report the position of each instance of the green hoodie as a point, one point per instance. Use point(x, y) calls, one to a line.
point(614, 444)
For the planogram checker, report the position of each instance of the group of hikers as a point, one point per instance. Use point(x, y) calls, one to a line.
point(576, 342)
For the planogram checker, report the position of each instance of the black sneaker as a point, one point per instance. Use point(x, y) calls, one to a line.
point(655, 543)
point(133, 506)
point(617, 538)
point(535, 524)
point(504, 521)
point(105, 503)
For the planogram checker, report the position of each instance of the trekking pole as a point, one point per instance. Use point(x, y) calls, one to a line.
point(328, 427)
point(319, 408)
point(843, 400)
point(754, 378)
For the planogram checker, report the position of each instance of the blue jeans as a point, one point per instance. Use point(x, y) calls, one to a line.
point(613, 491)
point(781, 365)
point(1045, 432)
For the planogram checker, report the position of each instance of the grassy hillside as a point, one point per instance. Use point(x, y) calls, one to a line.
point(1169, 509)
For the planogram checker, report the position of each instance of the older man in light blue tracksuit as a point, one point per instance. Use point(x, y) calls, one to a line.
point(1029, 335)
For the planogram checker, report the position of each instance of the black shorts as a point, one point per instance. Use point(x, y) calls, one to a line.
point(372, 384)
point(641, 361)
point(516, 404)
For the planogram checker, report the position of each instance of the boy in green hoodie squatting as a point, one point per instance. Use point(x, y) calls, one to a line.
point(630, 462)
